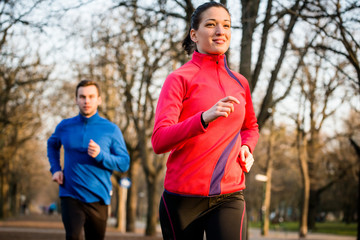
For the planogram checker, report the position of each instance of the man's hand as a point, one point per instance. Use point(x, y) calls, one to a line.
point(58, 177)
point(246, 158)
point(93, 149)
point(223, 108)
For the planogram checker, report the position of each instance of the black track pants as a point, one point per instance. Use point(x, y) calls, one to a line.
point(77, 215)
point(221, 217)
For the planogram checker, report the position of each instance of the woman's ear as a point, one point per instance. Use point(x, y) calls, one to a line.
point(193, 35)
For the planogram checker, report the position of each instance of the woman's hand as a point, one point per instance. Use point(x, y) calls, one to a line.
point(246, 158)
point(222, 108)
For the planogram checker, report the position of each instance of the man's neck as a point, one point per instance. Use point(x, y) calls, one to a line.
point(87, 116)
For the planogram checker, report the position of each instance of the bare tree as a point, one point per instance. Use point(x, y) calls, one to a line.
point(248, 20)
point(303, 158)
point(277, 152)
point(318, 90)
point(337, 21)
point(20, 92)
point(269, 170)
point(21, 84)
point(126, 66)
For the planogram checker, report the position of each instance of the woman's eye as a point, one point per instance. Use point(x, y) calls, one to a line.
point(210, 24)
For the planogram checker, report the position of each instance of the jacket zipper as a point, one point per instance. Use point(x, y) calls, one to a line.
point(218, 76)
point(84, 133)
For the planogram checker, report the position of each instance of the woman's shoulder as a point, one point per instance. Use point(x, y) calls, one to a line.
point(189, 69)
point(238, 75)
point(244, 82)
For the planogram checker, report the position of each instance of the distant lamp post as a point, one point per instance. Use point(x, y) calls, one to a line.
point(262, 178)
point(125, 184)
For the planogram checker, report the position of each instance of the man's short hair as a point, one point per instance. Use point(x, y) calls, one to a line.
point(85, 83)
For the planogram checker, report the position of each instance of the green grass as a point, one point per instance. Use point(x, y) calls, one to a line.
point(338, 228)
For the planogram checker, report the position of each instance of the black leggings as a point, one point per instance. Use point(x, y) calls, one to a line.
point(221, 217)
point(77, 215)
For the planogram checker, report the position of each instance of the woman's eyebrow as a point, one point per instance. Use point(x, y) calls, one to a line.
point(212, 19)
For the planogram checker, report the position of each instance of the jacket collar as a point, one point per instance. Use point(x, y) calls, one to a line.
point(90, 119)
point(201, 58)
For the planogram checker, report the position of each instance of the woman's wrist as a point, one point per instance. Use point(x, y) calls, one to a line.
point(203, 121)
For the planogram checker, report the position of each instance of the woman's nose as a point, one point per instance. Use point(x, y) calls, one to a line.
point(219, 30)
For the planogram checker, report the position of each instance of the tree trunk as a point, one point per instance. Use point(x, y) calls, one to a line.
point(314, 202)
point(132, 197)
point(358, 201)
point(269, 169)
point(2, 196)
point(121, 214)
point(13, 197)
point(306, 181)
point(152, 206)
point(4, 212)
point(357, 149)
point(267, 101)
point(248, 21)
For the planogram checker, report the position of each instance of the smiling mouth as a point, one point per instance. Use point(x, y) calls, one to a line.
point(219, 41)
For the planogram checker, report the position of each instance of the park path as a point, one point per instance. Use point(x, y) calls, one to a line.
point(49, 227)
point(44, 227)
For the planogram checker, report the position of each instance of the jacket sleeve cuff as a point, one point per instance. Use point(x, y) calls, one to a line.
point(54, 170)
point(100, 156)
point(204, 126)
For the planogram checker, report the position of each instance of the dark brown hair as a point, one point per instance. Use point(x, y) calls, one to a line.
point(85, 83)
point(188, 45)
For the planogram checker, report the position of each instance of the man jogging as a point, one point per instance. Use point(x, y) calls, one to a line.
point(93, 148)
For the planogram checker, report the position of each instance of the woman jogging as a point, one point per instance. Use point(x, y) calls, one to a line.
point(205, 117)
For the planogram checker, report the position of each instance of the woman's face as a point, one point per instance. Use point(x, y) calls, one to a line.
point(214, 33)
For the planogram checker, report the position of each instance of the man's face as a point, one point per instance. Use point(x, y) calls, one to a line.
point(88, 100)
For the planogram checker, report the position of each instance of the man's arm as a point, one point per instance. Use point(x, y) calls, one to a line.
point(53, 151)
point(118, 159)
